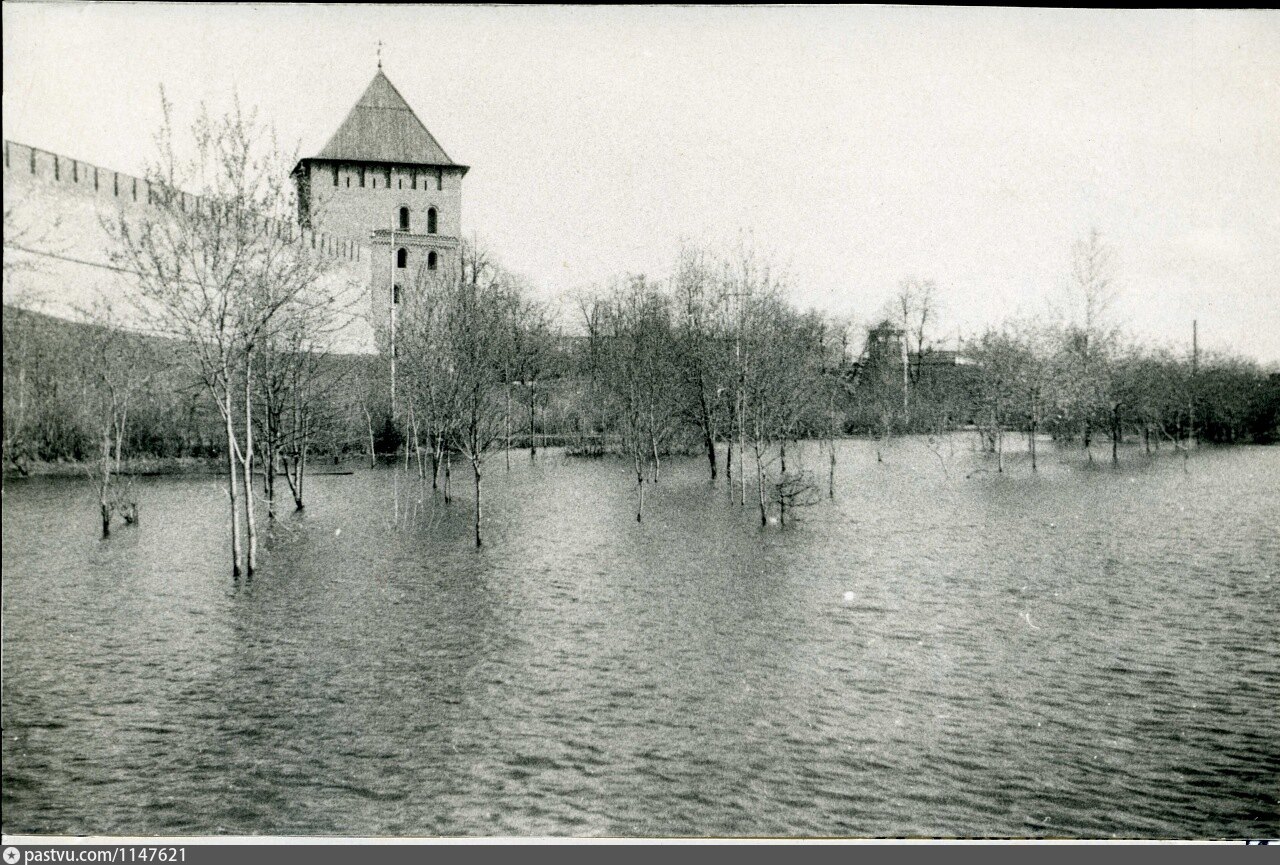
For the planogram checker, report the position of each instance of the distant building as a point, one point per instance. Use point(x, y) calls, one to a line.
point(887, 353)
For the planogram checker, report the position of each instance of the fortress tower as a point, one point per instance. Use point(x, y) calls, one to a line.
point(384, 180)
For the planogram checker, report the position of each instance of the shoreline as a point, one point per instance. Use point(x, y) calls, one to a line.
point(149, 467)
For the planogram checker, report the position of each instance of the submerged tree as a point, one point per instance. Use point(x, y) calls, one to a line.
point(1089, 339)
point(641, 377)
point(456, 345)
point(703, 360)
point(785, 392)
point(297, 383)
point(1004, 388)
point(114, 371)
point(216, 268)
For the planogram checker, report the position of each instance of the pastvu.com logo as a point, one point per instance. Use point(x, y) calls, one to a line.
point(11, 855)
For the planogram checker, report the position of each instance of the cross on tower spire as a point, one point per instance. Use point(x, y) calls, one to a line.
point(379, 53)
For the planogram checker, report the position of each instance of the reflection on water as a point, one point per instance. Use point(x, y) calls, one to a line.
point(1084, 652)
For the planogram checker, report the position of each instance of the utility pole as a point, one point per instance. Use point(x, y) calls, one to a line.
point(742, 398)
point(392, 305)
point(1191, 396)
point(906, 376)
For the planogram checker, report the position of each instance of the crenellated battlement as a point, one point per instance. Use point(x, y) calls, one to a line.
point(21, 161)
point(382, 201)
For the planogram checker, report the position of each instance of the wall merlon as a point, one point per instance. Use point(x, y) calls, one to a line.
point(22, 160)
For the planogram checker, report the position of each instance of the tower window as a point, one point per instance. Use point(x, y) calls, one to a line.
point(402, 258)
point(439, 179)
point(431, 261)
point(335, 175)
point(395, 294)
point(362, 176)
point(413, 179)
point(404, 219)
point(431, 220)
point(348, 183)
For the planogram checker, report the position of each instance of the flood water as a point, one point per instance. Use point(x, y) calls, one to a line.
point(1082, 652)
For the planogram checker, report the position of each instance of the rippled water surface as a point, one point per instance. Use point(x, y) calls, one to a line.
point(1086, 652)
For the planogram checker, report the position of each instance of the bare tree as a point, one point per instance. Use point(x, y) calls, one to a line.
point(430, 388)
point(456, 332)
point(641, 375)
point(297, 382)
point(531, 355)
point(702, 357)
point(1000, 359)
point(785, 393)
point(114, 370)
point(1089, 338)
point(216, 268)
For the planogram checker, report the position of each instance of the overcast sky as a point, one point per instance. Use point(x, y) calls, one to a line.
point(859, 146)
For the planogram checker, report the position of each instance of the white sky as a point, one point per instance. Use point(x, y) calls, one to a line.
point(859, 145)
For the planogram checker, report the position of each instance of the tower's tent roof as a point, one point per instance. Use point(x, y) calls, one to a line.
point(383, 128)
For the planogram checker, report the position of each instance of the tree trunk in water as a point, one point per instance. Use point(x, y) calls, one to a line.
point(289, 468)
point(831, 475)
point(639, 486)
point(728, 464)
point(508, 422)
point(293, 473)
point(250, 528)
point(1116, 433)
point(120, 438)
point(782, 489)
point(417, 446)
point(742, 443)
point(764, 517)
point(448, 486)
point(231, 487)
point(1033, 444)
point(709, 441)
point(269, 481)
point(533, 442)
point(435, 463)
point(475, 465)
point(1088, 438)
point(373, 455)
point(1000, 449)
point(104, 485)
